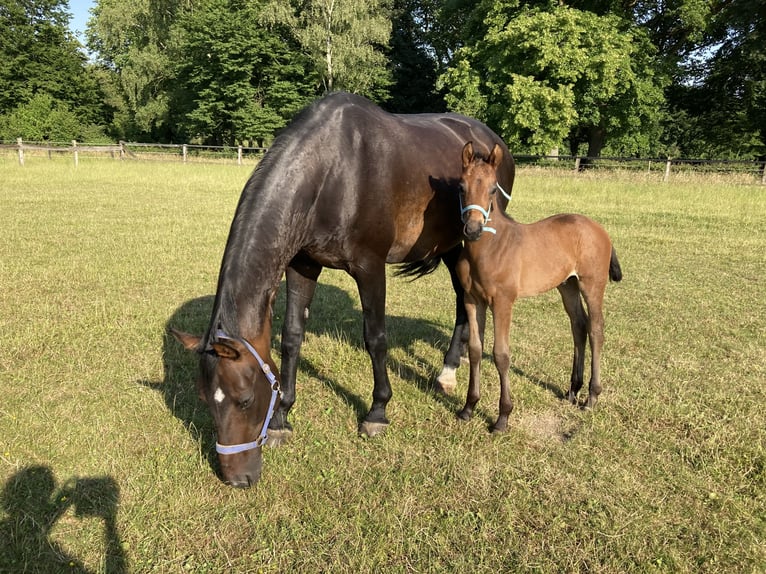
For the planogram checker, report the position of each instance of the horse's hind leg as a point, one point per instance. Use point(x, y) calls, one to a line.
point(446, 381)
point(301, 280)
point(594, 299)
point(570, 295)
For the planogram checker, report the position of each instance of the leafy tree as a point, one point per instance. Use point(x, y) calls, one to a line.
point(345, 40)
point(41, 119)
point(559, 74)
point(38, 55)
point(237, 79)
point(131, 38)
point(412, 58)
point(734, 89)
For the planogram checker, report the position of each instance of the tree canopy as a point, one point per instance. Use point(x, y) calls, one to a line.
point(680, 78)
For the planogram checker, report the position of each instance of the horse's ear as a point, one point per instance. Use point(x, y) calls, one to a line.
point(225, 350)
point(467, 154)
point(190, 342)
point(495, 156)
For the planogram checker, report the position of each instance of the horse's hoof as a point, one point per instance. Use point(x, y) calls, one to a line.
point(465, 415)
point(446, 382)
point(572, 398)
point(371, 429)
point(275, 438)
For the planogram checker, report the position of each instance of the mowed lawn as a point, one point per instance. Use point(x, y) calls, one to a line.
point(106, 460)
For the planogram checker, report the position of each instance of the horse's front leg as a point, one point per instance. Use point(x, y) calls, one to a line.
point(446, 381)
point(301, 280)
point(476, 312)
point(371, 282)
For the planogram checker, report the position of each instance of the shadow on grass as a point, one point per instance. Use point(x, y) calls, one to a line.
point(335, 313)
point(33, 506)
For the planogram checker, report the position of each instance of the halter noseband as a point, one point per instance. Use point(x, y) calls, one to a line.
point(276, 391)
point(480, 209)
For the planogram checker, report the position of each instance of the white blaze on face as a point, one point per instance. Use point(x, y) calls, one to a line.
point(218, 396)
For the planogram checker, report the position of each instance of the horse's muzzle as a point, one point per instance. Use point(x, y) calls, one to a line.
point(472, 230)
point(241, 470)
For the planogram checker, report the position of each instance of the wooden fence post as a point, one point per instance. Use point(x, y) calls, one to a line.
point(763, 174)
point(76, 155)
point(667, 170)
point(183, 151)
point(577, 164)
point(239, 155)
point(21, 150)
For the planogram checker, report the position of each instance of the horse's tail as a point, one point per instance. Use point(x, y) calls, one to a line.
point(417, 269)
point(615, 271)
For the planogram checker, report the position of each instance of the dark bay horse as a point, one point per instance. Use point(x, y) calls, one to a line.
point(346, 186)
point(503, 260)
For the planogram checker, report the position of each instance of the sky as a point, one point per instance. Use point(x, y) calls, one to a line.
point(79, 10)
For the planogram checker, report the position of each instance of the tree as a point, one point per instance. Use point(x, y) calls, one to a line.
point(237, 79)
point(41, 119)
point(345, 40)
point(38, 55)
point(131, 38)
point(559, 74)
point(413, 59)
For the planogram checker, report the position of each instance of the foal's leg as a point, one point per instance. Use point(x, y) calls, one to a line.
point(301, 281)
point(446, 381)
point(593, 293)
point(502, 313)
point(477, 315)
point(371, 281)
point(570, 295)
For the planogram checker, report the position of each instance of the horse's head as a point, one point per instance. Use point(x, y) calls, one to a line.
point(242, 393)
point(478, 187)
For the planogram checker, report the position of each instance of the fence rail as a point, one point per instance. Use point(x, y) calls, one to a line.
point(185, 153)
point(243, 155)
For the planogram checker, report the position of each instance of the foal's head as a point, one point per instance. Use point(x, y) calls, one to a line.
point(478, 188)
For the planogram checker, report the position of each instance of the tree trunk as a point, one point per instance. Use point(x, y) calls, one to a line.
point(596, 139)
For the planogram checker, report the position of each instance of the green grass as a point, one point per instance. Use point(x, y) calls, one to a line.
point(105, 451)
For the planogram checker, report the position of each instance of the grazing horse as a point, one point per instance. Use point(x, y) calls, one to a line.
point(346, 186)
point(503, 260)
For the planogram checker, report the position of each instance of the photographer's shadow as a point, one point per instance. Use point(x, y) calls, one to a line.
point(32, 506)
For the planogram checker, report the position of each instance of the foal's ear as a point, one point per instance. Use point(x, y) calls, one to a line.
point(190, 342)
point(495, 156)
point(467, 154)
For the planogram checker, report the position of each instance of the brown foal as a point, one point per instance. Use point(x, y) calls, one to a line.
point(503, 260)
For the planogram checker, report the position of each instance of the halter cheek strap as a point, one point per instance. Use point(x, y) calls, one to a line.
point(276, 391)
point(484, 212)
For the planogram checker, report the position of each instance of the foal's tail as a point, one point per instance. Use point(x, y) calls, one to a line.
point(615, 272)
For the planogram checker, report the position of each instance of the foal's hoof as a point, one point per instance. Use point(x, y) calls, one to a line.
point(371, 429)
point(275, 438)
point(572, 398)
point(446, 382)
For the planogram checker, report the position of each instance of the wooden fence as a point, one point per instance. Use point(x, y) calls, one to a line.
point(186, 153)
point(242, 155)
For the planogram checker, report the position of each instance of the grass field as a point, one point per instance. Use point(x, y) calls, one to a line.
point(105, 452)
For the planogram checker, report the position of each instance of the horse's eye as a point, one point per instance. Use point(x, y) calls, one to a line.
point(245, 403)
point(493, 191)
